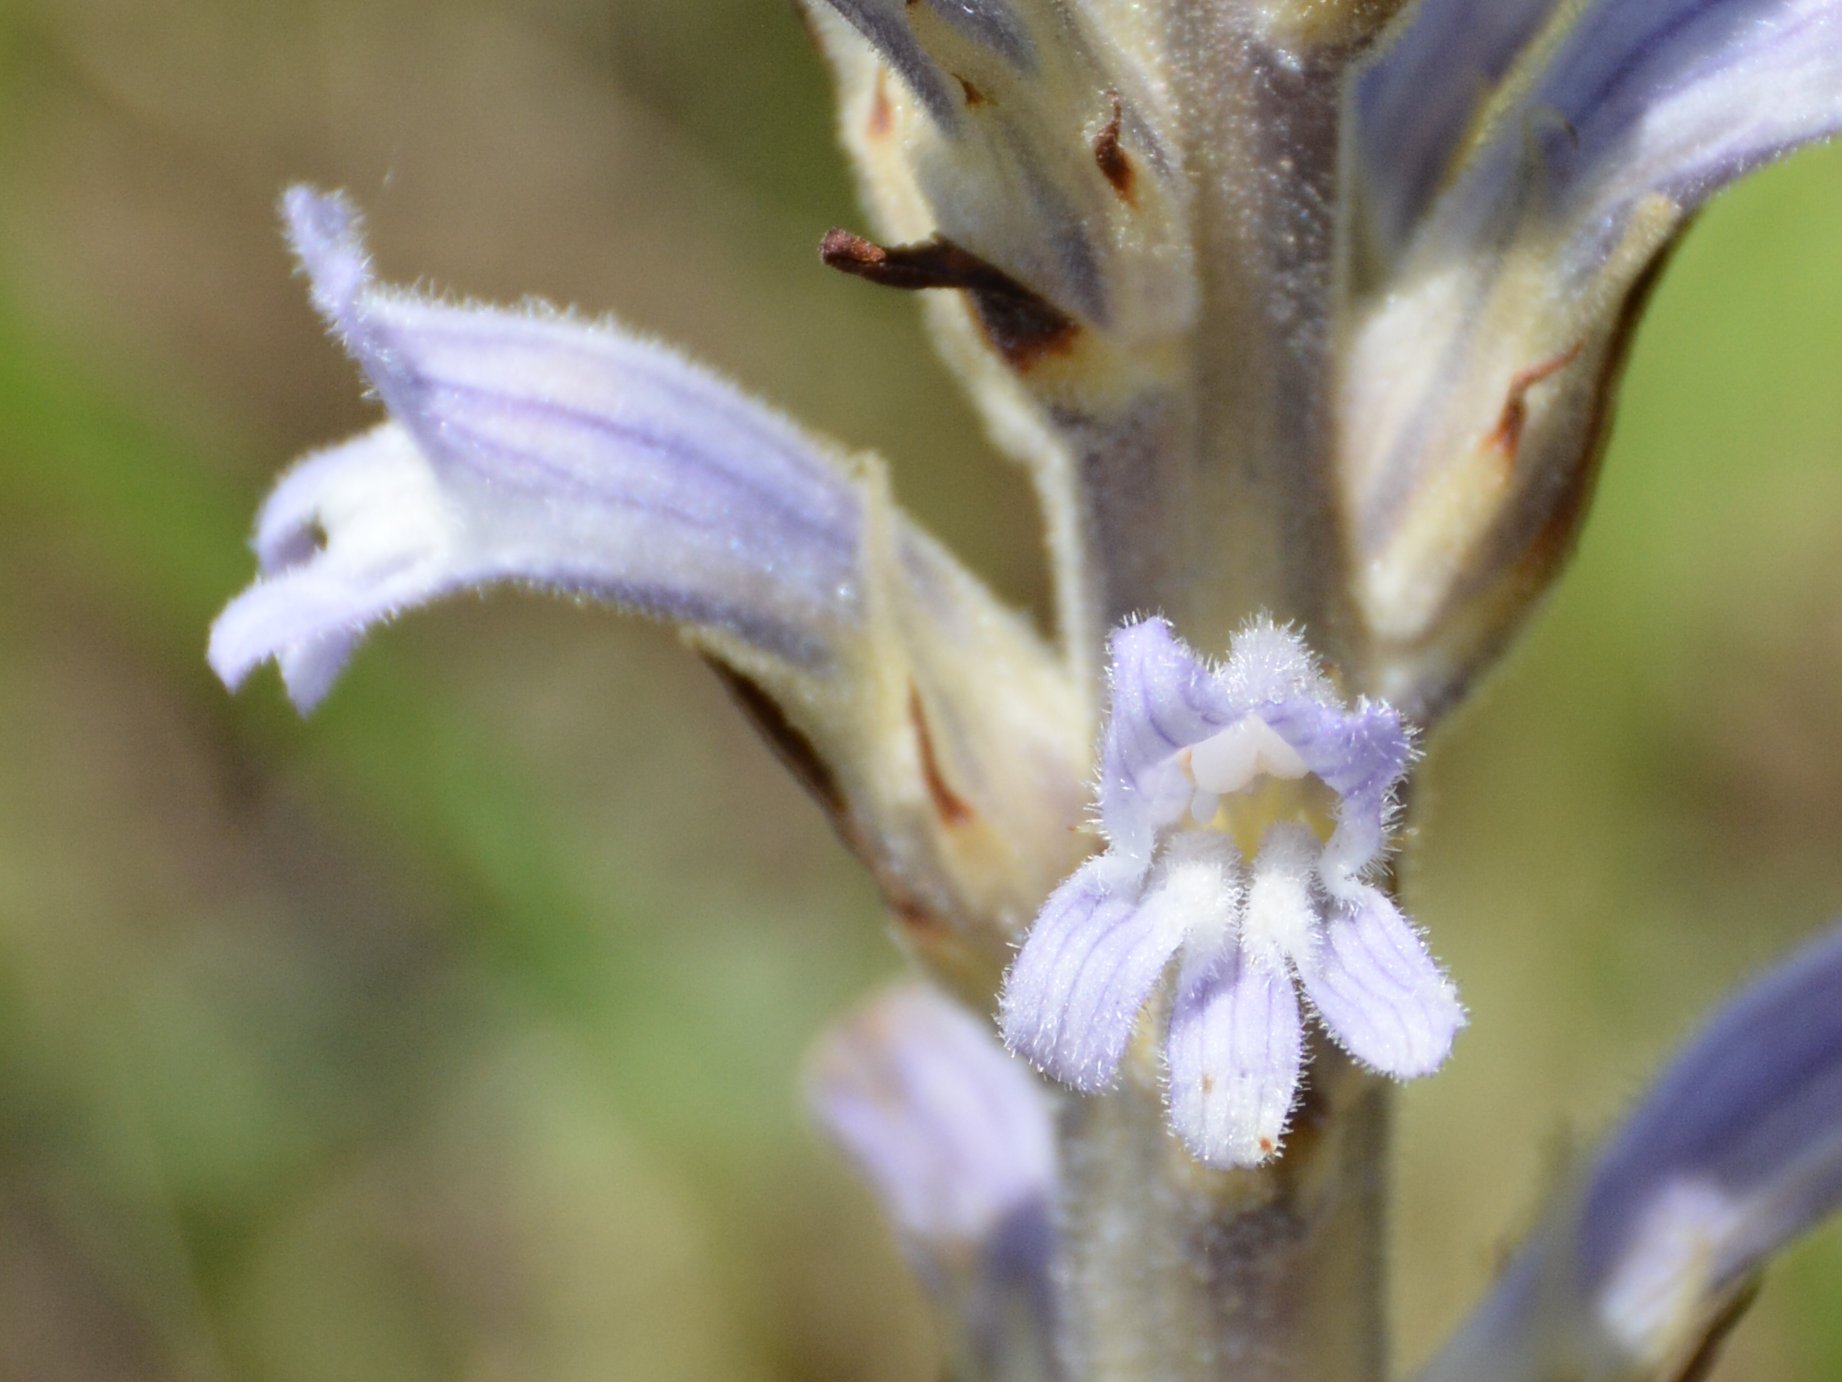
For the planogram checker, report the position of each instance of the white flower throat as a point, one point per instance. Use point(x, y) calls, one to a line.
point(1249, 780)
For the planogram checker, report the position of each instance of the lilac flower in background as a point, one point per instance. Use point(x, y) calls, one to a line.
point(1736, 1150)
point(1211, 783)
point(955, 1138)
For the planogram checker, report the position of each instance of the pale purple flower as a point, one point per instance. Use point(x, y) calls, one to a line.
point(1245, 809)
point(956, 1140)
point(1735, 1151)
point(529, 447)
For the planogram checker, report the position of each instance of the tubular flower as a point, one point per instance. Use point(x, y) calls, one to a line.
point(1733, 1152)
point(527, 447)
point(1244, 809)
point(956, 1140)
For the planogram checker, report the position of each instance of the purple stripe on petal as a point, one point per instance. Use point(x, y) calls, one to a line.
point(1074, 994)
point(1361, 755)
point(1736, 1150)
point(1378, 991)
point(1677, 96)
point(1234, 1050)
point(534, 449)
point(1416, 103)
point(1753, 1106)
point(1164, 699)
point(885, 25)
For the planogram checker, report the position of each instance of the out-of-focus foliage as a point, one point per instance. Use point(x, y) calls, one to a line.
point(452, 1033)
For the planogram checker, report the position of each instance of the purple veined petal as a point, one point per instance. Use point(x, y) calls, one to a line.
point(1164, 699)
point(994, 24)
point(1686, 95)
point(1361, 755)
point(1074, 994)
point(1677, 97)
point(954, 1136)
point(1415, 104)
point(1377, 990)
point(539, 450)
point(1750, 1112)
point(1736, 1150)
point(1235, 1048)
point(885, 24)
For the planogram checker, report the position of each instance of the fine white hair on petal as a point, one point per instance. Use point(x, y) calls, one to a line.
point(1183, 739)
point(1164, 699)
point(1377, 990)
point(1075, 991)
point(1361, 755)
point(1281, 919)
point(539, 450)
point(350, 536)
point(1234, 1052)
point(1272, 662)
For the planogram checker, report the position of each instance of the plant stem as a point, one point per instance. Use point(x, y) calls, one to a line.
point(1172, 1271)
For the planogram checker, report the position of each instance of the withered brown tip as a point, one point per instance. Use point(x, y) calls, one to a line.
point(1021, 324)
point(1114, 164)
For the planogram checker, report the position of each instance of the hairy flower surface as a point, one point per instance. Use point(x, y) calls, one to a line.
point(527, 447)
point(1244, 808)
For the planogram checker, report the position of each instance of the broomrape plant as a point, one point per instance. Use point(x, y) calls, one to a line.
point(1306, 318)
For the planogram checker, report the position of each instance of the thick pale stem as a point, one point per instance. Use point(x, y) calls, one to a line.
point(1214, 502)
point(1174, 1273)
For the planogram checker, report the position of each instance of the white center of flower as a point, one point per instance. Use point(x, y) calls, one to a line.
point(1230, 760)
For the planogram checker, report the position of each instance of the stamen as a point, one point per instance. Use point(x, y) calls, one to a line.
point(1229, 761)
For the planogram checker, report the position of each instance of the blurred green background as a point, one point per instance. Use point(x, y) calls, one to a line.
point(453, 1034)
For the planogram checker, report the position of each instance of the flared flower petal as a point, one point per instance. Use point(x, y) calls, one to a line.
point(527, 447)
point(1362, 755)
point(1736, 1150)
point(1235, 1049)
point(1164, 699)
point(955, 1139)
point(544, 451)
point(1508, 116)
point(1074, 995)
point(1378, 991)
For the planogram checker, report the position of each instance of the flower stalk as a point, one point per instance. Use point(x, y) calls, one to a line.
point(1178, 1271)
